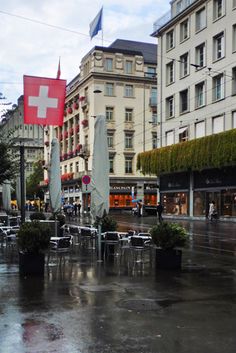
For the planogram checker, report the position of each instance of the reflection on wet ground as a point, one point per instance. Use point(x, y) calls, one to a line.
point(84, 306)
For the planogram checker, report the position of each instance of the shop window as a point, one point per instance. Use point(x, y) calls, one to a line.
point(175, 203)
point(199, 203)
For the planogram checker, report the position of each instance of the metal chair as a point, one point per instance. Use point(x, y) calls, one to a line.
point(60, 248)
point(112, 244)
point(138, 248)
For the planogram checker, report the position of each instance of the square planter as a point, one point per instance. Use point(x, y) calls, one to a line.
point(168, 259)
point(31, 264)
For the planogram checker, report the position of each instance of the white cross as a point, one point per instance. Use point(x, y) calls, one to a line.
point(42, 102)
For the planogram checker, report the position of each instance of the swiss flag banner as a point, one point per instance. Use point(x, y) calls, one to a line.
point(44, 100)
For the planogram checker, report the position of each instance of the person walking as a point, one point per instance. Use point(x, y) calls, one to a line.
point(212, 214)
point(159, 211)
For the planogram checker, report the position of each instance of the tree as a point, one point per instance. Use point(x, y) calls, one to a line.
point(9, 162)
point(32, 182)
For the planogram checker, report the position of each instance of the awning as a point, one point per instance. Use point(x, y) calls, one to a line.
point(182, 129)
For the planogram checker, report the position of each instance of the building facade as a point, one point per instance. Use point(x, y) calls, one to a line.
point(29, 135)
point(118, 82)
point(197, 98)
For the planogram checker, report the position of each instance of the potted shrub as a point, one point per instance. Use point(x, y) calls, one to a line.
point(37, 216)
point(168, 237)
point(107, 224)
point(33, 239)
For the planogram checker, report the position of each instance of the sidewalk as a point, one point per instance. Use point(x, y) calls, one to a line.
point(86, 307)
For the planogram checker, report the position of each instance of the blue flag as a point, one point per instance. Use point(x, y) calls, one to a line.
point(96, 25)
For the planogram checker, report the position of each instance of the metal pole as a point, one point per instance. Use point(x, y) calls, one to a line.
point(99, 241)
point(22, 182)
point(144, 117)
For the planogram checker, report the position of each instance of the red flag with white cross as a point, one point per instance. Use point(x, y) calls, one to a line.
point(44, 100)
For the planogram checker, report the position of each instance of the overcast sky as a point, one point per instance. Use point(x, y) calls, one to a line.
point(30, 48)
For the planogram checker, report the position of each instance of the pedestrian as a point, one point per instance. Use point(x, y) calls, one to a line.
point(212, 214)
point(159, 211)
point(79, 207)
point(75, 208)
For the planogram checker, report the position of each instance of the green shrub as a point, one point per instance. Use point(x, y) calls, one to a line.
point(34, 237)
point(107, 223)
point(169, 235)
point(38, 216)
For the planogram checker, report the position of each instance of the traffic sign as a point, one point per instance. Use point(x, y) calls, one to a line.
point(86, 179)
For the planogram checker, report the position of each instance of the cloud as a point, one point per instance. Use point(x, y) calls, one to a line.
point(33, 49)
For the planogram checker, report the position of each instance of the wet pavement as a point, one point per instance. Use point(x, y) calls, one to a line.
point(84, 306)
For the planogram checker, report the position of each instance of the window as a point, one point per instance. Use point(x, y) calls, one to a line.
point(128, 67)
point(218, 87)
point(29, 167)
point(218, 9)
point(200, 95)
point(183, 95)
point(234, 38)
point(65, 169)
point(234, 120)
point(200, 129)
point(129, 91)
point(153, 97)
point(31, 153)
point(170, 40)
point(111, 164)
point(128, 165)
point(234, 80)
point(200, 19)
point(184, 65)
point(183, 134)
point(109, 89)
point(218, 46)
point(110, 140)
point(169, 138)
point(170, 73)
point(109, 113)
point(184, 30)
point(200, 55)
point(128, 140)
point(77, 167)
point(154, 118)
point(218, 124)
point(71, 167)
point(154, 140)
point(151, 72)
point(108, 64)
point(170, 107)
point(128, 114)
point(234, 4)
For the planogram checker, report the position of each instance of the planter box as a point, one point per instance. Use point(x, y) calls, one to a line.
point(31, 264)
point(168, 259)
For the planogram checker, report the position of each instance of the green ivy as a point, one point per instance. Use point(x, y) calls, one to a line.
point(214, 151)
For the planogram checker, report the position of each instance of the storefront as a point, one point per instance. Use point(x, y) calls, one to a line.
point(121, 196)
point(174, 191)
point(217, 185)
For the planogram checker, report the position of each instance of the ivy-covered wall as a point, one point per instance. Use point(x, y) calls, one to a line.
point(212, 151)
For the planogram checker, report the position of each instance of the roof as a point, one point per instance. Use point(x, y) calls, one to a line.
point(148, 50)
